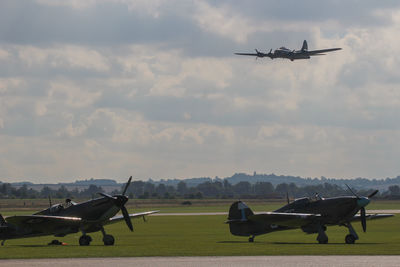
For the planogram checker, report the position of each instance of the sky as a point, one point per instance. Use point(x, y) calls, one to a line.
point(152, 89)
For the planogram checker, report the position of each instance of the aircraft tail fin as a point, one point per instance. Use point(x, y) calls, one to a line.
point(239, 211)
point(238, 219)
point(305, 46)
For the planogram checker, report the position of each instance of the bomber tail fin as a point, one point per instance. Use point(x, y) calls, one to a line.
point(305, 46)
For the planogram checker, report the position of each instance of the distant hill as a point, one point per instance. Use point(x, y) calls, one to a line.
point(98, 182)
point(110, 184)
point(358, 183)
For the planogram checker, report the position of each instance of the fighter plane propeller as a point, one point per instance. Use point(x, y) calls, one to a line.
point(283, 52)
point(119, 201)
point(362, 202)
point(312, 215)
point(62, 219)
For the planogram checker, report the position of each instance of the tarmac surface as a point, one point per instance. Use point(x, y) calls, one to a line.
point(298, 261)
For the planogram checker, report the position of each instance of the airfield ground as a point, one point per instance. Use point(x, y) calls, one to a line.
point(207, 236)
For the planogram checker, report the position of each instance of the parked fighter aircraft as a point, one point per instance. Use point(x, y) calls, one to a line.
point(283, 52)
point(312, 215)
point(60, 220)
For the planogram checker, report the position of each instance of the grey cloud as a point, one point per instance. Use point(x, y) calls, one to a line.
point(106, 24)
point(102, 24)
point(347, 13)
point(94, 103)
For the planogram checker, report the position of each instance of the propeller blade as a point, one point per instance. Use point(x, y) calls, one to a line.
point(127, 185)
point(106, 195)
point(363, 219)
point(352, 191)
point(127, 218)
point(373, 193)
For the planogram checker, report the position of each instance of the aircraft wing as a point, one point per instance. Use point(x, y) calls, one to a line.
point(42, 224)
point(282, 219)
point(357, 217)
point(319, 52)
point(133, 215)
point(248, 54)
point(29, 220)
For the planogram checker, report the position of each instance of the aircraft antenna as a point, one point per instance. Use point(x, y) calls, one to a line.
point(352, 191)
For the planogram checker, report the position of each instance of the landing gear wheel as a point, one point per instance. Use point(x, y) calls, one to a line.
point(323, 241)
point(108, 240)
point(251, 239)
point(350, 239)
point(85, 240)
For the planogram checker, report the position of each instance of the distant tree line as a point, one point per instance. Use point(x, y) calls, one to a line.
point(209, 189)
point(9, 191)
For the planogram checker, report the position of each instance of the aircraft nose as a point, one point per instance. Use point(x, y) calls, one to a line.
point(363, 201)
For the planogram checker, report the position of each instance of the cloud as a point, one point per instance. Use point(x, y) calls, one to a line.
point(107, 88)
point(62, 57)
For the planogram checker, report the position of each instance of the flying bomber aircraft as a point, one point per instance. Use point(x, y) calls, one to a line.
point(60, 220)
point(312, 215)
point(283, 52)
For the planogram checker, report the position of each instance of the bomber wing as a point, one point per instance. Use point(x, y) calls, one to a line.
point(249, 54)
point(319, 52)
point(281, 218)
point(133, 215)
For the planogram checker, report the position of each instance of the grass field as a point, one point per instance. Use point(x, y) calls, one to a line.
point(28, 206)
point(208, 235)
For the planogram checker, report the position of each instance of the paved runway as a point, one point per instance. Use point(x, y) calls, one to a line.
point(298, 261)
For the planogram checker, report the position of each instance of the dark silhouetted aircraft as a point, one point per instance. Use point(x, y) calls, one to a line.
point(283, 52)
point(60, 220)
point(312, 215)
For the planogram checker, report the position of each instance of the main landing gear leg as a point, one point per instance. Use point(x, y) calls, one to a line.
point(352, 236)
point(2, 242)
point(322, 238)
point(108, 240)
point(251, 238)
